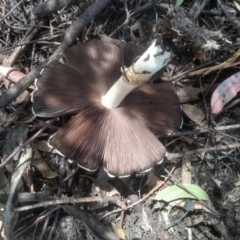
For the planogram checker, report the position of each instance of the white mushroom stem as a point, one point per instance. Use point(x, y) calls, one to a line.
point(117, 93)
point(138, 73)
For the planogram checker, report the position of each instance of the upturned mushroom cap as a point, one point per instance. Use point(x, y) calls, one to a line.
point(122, 138)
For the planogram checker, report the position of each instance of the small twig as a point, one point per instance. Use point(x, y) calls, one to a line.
point(204, 130)
point(10, 11)
point(26, 197)
point(225, 11)
point(30, 140)
point(55, 224)
point(72, 201)
point(133, 14)
point(199, 70)
point(71, 35)
point(197, 8)
point(45, 226)
point(144, 198)
point(29, 36)
point(39, 40)
point(128, 15)
point(204, 100)
point(51, 6)
point(171, 156)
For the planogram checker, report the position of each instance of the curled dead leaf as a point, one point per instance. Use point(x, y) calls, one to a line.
point(224, 93)
point(188, 94)
point(41, 165)
point(42, 145)
point(194, 113)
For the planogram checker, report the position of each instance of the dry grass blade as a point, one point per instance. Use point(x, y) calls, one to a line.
point(22, 164)
point(226, 64)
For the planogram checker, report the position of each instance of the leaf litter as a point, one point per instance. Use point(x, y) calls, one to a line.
point(204, 36)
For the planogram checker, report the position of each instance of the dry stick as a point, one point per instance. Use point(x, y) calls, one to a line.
point(24, 197)
point(171, 156)
point(31, 139)
point(72, 201)
point(18, 50)
point(144, 198)
point(71, 34)
point(115, 200)
point(5, 15)
point(92, 199)
point(199, 70)
point(204, 130)
point(29, 36)
point(197, 8)
point(51, 6)
point(138, 10)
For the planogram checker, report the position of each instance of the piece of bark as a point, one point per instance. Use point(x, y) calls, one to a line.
point(51, 6)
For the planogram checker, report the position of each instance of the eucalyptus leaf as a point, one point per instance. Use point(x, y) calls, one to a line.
point(224, 93)
point(175, 192)
point(178, 3)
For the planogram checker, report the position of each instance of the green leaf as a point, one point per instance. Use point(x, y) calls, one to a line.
point(178, 3)
point(175, 192)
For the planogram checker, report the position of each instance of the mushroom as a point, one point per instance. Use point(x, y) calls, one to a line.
point(117, 117)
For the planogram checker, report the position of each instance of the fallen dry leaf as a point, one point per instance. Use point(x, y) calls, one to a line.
point(153, 181)
point(186, 139)
point(42, 145)
point(194, 113)
point(188, 94)
point(224, 93)
point(118, 231)
point(41, 165)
